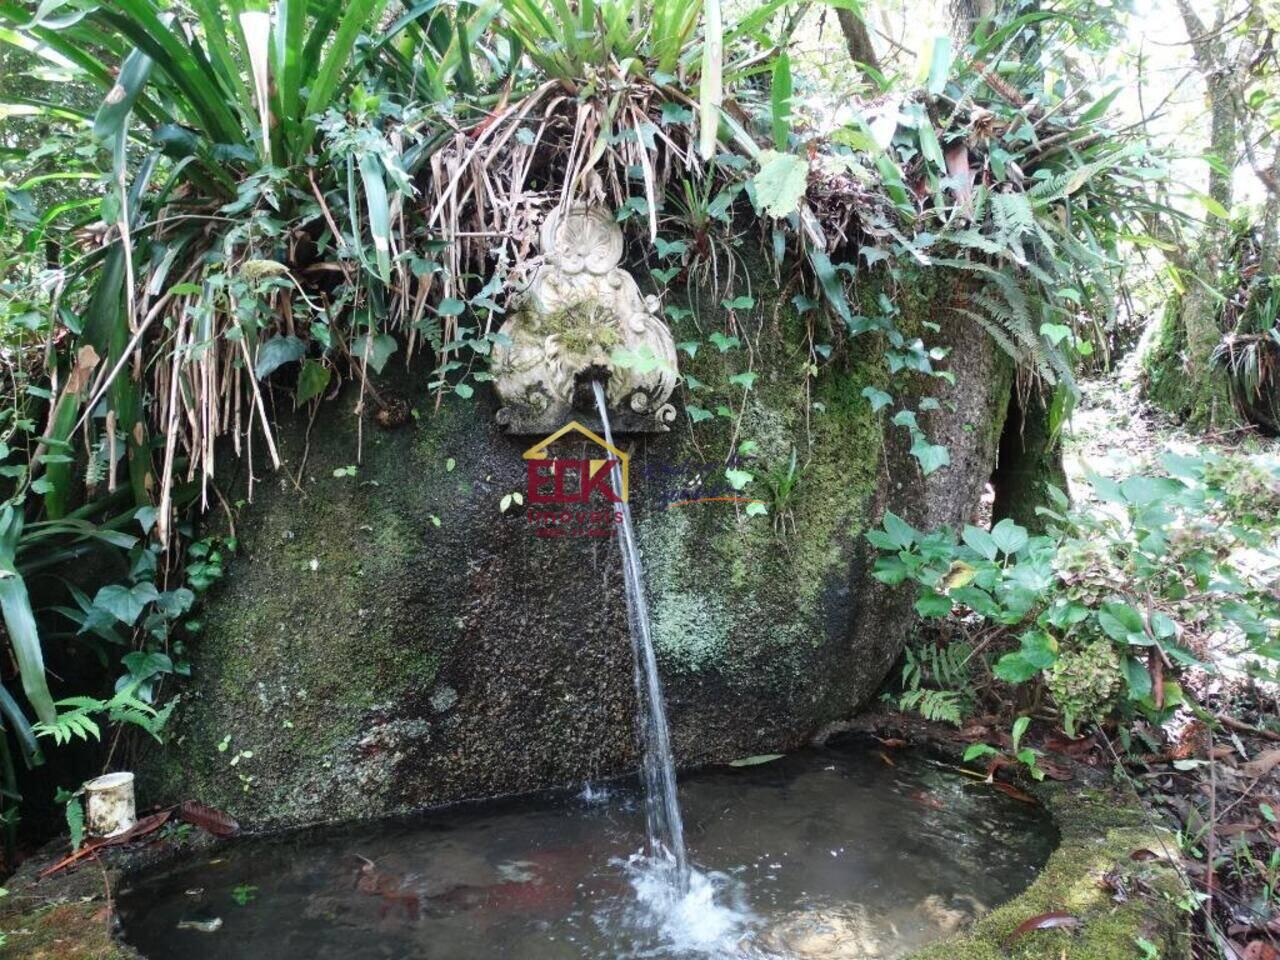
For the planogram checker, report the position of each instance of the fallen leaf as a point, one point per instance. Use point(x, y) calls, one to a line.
point(1013, 791)
point(886, 758)
point(756, 760)
point(1143, 855)
point(1262, 764)
point(1045, 921)
point(140, 829)
point(1053, 770)
point(1259, 950)
point(893, 743)
point(1071, 747)
point(926, 799)
point(209, 819)
point(1234, 829)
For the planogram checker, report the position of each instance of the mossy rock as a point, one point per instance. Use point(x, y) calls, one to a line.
point(389, 638)
point(1094, 878)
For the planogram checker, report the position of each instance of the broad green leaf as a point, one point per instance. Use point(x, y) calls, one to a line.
point(900, 532)
point(1014, 668)
point(1008, 536)
point(737, 478)
point(312, 381)
point(980, 541)
point(276, 352)
point(780, 183)
point(933, 604)
point(376, 350)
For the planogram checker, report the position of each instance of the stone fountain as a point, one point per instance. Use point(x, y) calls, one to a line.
point(582, 320)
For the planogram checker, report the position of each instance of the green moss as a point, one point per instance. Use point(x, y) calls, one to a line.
point(69, 931)
point(582, 328)
point(744, 596)
point(1100, 830)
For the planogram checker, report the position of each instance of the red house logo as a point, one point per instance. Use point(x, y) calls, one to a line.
point(561, 480)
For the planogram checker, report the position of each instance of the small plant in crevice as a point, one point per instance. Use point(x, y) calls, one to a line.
point(936, 681)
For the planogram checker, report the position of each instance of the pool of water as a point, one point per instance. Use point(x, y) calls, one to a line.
point(823, 854)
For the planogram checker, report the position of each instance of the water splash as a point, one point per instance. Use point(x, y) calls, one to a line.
point(664, 827)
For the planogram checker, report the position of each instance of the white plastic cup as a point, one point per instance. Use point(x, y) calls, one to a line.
point(109, 804)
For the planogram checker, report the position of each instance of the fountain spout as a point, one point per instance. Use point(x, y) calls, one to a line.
point(584, 321)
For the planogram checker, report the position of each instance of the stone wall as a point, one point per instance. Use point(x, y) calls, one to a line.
point(392, 639)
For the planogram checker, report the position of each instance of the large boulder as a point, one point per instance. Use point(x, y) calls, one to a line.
point(390, 638)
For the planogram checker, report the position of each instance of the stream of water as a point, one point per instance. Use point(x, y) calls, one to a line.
point(665, 828)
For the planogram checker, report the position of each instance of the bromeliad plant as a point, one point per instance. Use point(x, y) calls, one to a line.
point(1110, 607)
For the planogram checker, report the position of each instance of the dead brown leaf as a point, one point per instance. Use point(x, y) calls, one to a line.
point(1262, 764)
point(1045, 921)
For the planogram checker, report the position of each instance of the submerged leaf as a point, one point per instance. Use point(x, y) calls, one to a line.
point(756, 760)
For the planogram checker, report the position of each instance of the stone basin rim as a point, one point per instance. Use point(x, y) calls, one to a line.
point(1099, 827)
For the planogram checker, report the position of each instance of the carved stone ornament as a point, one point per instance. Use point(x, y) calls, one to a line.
point(583, 319)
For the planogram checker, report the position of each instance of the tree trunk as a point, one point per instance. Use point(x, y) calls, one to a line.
point(1182, 374)
point(858, 39)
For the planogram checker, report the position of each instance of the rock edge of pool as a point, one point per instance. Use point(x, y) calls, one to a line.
point(1110, 870)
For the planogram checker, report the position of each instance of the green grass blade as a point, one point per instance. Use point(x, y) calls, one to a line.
point(17, 721)
point(711, 88)
point(375, 194)
point(113, 115)
point(20, 622)
point(780, 96)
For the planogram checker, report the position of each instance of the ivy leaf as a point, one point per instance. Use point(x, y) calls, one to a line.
point(124, 603)
point(932, 456)
point(738, 478)
point(464, 390)
point(757, 509)
point(742, 302)
point(142, 665)
point(689, 346)
point(745, 380)
point(276, 352)
point(697, 414)
point(380, 349)
point(780, 183)
point(312, 381)
point(724, 343)
point(879, 399)
point(669, 248)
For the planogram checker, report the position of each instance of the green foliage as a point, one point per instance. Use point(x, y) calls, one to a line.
point(936, 682)
point(1112, 595)
point(239, 203)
